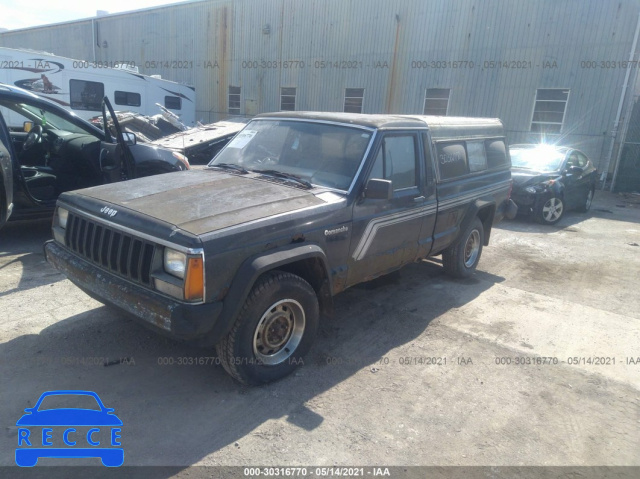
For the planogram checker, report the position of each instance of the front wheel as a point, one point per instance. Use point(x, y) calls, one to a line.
point(274, 330)
point(461, 259)
point(549, 211)
point(586, 205)
point(3, 208)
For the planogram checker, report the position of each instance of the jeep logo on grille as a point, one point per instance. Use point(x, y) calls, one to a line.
point(109, 211)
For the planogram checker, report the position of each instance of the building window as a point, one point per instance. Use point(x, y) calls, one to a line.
point(234, 100)
point(86, 95)
point(173, 102)
point(436, 101)
point(288, 99)
point(549, 109)
point(353, 98)
point(127, 98)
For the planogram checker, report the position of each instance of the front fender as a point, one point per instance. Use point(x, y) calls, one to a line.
point(249, 272)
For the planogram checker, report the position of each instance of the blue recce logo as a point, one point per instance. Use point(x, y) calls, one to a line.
point(59, 422)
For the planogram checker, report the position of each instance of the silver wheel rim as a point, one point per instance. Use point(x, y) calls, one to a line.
point(589, 200)
point(279, 332)
point(471, 248)
point(552, 209)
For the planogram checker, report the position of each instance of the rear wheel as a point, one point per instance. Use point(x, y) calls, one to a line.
point(586, 205)
point(274, 330)
point(461, 259)
point(549, 211)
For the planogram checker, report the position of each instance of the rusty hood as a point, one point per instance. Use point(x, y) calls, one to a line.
point(201, 201)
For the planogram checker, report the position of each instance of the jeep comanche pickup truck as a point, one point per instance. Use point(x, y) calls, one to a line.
point(247, 253)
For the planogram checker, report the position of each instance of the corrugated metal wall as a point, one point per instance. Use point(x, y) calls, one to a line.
point(322, 47)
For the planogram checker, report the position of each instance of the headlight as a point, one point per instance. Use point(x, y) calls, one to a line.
point(190, 268)
point(59, 224)
point(175, 262)
point(63, 215)
point(531, 189)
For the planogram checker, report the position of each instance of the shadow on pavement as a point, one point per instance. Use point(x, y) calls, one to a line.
point(176, 411)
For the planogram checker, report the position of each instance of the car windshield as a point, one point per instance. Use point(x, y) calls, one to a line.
point(539, 159)
point(65, 401)
point(21, 112)
point(319, 153)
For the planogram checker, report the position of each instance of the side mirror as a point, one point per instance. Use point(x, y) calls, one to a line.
point(129, 138)
point(575, 170)
point(378, 189)
point(27, 126)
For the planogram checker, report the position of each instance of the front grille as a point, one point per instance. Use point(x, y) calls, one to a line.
point(118, 252)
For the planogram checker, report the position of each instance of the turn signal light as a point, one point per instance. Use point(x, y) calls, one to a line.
point(194, 280)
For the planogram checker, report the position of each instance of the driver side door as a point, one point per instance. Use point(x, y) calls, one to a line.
point(386, 231)
point(116, 161)
point(111, 162)
point(6, 173)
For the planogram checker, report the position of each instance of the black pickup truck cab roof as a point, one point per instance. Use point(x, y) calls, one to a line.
point(247, 253)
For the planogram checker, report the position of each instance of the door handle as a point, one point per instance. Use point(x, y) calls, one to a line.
point(419, 199)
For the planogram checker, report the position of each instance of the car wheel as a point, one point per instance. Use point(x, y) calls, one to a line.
point(549, 211)
point(274, 330)
point(3, 205)
point(586, 206)
point(460, 259)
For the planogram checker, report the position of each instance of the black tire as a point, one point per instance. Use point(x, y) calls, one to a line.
point(461, 259)
point(282, 305)
point(3, 204)
point(586, 204)
point(549, 211)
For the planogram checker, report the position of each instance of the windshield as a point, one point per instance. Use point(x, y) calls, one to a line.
point(322, 154)
point(540, 159)
point(45, 118)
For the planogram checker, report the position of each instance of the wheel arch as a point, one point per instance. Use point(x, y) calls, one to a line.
point(486, 214)
point(307, 261)
point(483, 208)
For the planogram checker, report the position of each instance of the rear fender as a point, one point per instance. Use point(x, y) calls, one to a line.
point(483, 208)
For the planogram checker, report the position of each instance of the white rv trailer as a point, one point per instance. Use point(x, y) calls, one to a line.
point(80, 85)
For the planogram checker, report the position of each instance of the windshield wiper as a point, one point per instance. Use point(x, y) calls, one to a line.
point(285, 176)
point(230, 166)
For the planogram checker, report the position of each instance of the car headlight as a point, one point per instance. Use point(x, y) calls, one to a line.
point(60, 224)
point(63, 215)
point(189, 268)
point(531, 189)
point(175, 262)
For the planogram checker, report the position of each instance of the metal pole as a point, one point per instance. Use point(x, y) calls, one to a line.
point(93, 34)
point(614, 132)
point(625, 129)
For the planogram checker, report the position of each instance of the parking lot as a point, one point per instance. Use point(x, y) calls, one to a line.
point(533, 361)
